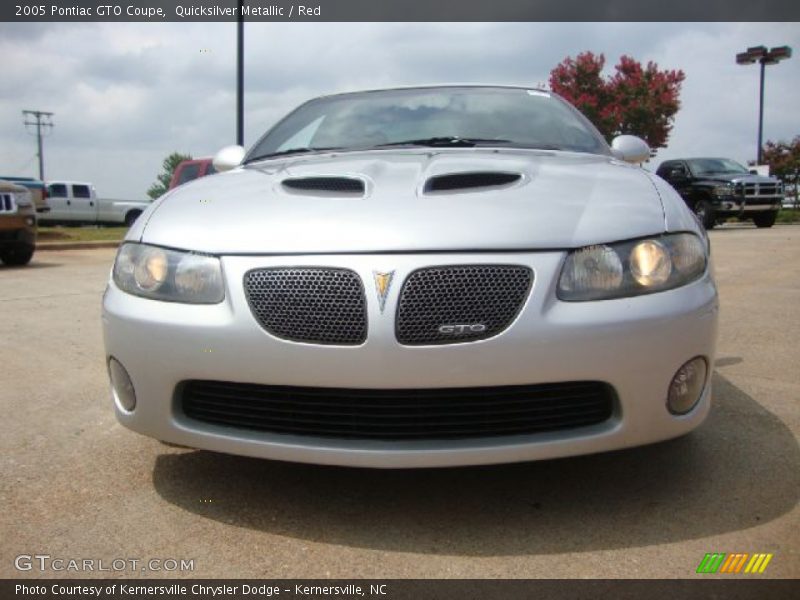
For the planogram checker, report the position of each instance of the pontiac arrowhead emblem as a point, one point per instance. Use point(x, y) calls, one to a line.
point(383, 281)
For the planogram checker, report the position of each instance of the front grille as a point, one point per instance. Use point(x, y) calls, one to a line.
point(314, 305)
point(404, 414)
point(757, 190)
point(471, 180)
point(470, 302)
point(7, 204)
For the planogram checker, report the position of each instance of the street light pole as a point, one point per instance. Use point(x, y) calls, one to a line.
point(761, 116)
point(764, 57)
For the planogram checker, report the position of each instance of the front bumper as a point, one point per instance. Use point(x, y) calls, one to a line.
point(736, 205)
point(17, 230)
point(633, 344)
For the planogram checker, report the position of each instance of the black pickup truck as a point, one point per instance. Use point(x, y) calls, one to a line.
point(718, 188)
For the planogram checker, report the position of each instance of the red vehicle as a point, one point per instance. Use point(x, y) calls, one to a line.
point(191, 169)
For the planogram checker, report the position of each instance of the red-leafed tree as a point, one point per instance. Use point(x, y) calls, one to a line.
point(635, 100)
point(783, 158)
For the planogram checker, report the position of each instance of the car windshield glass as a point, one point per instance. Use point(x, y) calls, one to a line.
point(433, 117)
point(712, 166)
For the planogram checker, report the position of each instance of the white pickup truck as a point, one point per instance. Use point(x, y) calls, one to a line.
point(77, 202)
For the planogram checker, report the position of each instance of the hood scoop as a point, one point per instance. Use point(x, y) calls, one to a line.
point(470, 181)
point(325, 186)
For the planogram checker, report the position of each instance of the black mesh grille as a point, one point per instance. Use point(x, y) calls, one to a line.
point(316, 305)
point(471, 302)
point(405, 414)
point(461, 181)
point(339, 185)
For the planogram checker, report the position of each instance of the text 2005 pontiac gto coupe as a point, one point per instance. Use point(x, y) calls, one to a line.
point(416, 277)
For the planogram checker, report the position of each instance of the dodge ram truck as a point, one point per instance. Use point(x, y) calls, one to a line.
point(719, 188)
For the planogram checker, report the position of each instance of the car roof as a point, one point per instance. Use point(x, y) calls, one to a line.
point(537, 88)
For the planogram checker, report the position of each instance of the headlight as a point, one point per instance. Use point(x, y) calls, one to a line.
point(632, 268)
point(23, 199)
point(722, 191)
point(170, 275)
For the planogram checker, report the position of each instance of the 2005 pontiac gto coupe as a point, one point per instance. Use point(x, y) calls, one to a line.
point(414, 278)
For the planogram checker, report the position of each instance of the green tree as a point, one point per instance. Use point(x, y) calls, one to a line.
point(162, 180)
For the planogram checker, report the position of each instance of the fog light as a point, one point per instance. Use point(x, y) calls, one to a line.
point(687, 386)
point(122, 385)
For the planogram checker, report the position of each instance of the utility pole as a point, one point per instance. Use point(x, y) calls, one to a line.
point(43, 121)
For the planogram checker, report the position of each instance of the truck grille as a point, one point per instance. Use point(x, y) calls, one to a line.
point(399, 414)
point(313, 305)
point(484, 298)
point(758, 190)
point(7, 204)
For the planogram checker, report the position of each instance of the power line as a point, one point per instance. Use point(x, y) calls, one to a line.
point(26, 164)
point(44, 123)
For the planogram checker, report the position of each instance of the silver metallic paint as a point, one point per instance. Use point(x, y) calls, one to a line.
point(564, 200)
point(635, 344)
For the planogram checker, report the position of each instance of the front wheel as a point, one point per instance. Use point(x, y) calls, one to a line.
point(765, 219)
point(705, 213)
point(17, 256)
point(131, 217)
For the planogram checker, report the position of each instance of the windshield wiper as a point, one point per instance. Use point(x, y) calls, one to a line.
point(290, 151)
point(452, 141)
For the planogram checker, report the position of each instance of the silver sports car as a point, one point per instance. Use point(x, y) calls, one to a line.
point(416, 277)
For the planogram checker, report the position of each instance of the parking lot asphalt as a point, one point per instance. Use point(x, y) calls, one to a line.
point(76, 485)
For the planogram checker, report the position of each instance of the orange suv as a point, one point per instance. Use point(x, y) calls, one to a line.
point(17, 224)
point(191, 169)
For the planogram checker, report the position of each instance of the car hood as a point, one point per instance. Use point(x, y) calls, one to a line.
point(562, 200)
point(739, 177)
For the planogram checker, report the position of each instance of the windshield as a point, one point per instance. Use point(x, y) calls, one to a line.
point(457, 116)
point(712, 166)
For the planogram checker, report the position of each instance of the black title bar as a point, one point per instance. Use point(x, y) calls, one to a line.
point(399, 589)
point(398, 10)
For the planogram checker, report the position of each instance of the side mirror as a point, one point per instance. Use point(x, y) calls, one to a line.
point(228, 158)
point(677, 173)
point(630, 148)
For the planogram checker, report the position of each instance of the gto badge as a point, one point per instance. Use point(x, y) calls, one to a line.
point(383, 281)
point(462, 329)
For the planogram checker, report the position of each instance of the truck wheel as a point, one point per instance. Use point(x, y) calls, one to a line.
point(765, 219)
point(17, 255)
point(705, 213)
point(131, 217)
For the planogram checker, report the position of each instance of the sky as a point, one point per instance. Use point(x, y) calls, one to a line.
point(125, 95)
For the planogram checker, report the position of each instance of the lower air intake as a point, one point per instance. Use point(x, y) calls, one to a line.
point(404, 414)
